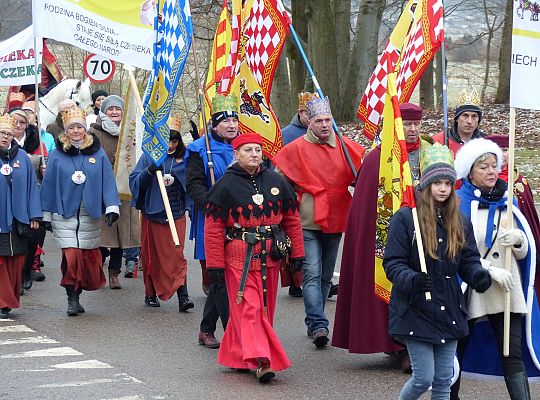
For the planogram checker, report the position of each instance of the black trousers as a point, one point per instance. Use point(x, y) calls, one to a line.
point(115, 255)
point(38, 237)
point(511, 364)
point(216, 306)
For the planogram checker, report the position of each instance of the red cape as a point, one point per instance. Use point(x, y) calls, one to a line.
point(322, 171)
point(361, 320)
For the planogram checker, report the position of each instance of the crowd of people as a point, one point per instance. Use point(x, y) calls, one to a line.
point(254, 221)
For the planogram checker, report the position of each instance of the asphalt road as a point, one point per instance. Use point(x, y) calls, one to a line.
point(121, 349)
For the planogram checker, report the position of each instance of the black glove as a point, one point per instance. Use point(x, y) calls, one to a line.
point(46, 225)
point(111, 218)
point(152, 168)
point(194, 130)
point(295, 264)
point(216, 275)
point(422, 282)
point(482, 281)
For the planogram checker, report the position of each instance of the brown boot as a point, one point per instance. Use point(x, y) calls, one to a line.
point(208, 340)
point(114, 283)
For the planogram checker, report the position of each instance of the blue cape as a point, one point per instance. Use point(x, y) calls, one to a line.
point(222, 157)
point(481, 356)
point(20, 200)
point(59, 194)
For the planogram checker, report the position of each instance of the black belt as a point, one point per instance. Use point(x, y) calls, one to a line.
point(252, 236)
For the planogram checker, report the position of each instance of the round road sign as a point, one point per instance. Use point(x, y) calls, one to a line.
point(98, 68)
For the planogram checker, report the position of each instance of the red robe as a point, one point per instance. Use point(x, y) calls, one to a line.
point(10, 280)
point(361, 320)
point(322, 171)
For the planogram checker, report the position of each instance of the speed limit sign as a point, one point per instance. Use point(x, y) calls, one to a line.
point(98, 68)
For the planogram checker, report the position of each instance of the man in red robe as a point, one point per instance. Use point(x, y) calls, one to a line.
point(317, 167)
point(361, 320)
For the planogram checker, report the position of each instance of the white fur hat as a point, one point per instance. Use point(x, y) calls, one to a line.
point(471, 151)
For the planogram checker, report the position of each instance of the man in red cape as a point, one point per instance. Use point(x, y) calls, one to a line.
point(361, 321)
point(318, 169)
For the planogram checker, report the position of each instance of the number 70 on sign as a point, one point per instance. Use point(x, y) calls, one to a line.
point(98, 68)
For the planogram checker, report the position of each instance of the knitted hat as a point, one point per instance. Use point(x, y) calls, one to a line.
point(246, 138)
point(112, 101)
point(304, 98)
point(471, 151)
point(97, 94)
point(20, 112)
point(468, 101)
point(224, 107)
point(175, 124)
point(436, 162)
point(317, 106)
point(7, 123)
point(74, 116)
point(501, 140)
point(410, 112)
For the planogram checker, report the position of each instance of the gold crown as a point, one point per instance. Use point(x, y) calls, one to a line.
point(304, 98)
point(221, 103)
point(7, 123)
point(175, 122)
point(471, 97)
point(435, 154)
point(74, 116)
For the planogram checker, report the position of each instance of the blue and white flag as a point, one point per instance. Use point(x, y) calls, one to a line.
point(173, 40)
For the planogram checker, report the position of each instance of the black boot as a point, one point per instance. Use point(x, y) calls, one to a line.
point(80, 308)
point(72, 309)
point(518, 386)
point(184, 302)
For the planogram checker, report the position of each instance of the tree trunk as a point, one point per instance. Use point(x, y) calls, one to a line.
point(438, 80)
point(488, 51)
point(280, 97)
point(296, 64)
point(363, 58)
point(342, 22)
point(503, 87)
point(426, 87)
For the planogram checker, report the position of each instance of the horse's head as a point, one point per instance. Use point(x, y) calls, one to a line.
point(81, 94)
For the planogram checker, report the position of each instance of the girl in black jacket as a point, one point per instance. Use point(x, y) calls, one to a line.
point(430, 329)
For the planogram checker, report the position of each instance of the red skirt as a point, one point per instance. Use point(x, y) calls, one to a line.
point(249, 334)
point(10, 280)
point(164, 265)
point(82, 269)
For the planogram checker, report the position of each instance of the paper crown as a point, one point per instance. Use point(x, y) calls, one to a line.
point(436, 154)
point(74, 116)
point(470, 97)
point(304, 98)
point(317, 106)
point(29, 105)
point(66, 105)
point(222, 103)
point(175, 123)
point(7, 123)
point(16, 99)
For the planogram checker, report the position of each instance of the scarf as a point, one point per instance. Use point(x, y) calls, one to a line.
point(107, 124)
point(491, 200)
point(413, 146)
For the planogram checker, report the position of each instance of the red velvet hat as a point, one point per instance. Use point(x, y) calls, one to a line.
point(501, 140)
point(410, 112)
point(246, 138)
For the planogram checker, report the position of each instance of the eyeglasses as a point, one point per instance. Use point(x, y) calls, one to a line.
point(6, 134)
point(21, 122)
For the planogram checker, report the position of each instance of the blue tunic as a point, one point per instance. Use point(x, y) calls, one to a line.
point(20, 198)
point(60, 195)
point(145, 192)
point(222, 156)
point(293, 131)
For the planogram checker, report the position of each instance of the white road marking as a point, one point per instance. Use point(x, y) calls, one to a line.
point(35, 370)
point(87, 364)
point(118, 378)
point(15, 328)
point(52, 352)
point(28, 340)
point(127, 398)
point(6, 320)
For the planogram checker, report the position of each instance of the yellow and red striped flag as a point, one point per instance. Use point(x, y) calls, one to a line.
point(395, 181)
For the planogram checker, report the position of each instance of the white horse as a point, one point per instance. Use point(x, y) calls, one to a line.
point(74, 89)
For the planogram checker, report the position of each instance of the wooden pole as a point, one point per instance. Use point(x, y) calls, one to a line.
point(159, 175)
point(420, 246)
point(36, 102)
point(508, 224)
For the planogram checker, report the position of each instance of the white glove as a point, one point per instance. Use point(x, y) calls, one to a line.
point(502, 277)
point(510, 237)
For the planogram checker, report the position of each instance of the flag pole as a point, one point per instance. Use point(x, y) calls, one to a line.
point(36, 102)
point(203, 116)
point(321, 95)
point(444, 88)
point(508, 224)
point(159, 176)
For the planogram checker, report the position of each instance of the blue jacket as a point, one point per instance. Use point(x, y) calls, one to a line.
point(60, 195)
point(293, 131)
point(411, 316)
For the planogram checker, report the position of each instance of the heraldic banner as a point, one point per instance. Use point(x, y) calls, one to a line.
point(121, 30)
point(524, 82)
point(17, 59)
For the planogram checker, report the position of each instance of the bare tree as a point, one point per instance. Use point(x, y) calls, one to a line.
point(503, 87)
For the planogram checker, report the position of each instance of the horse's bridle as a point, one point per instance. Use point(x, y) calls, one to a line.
point(73, 92)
